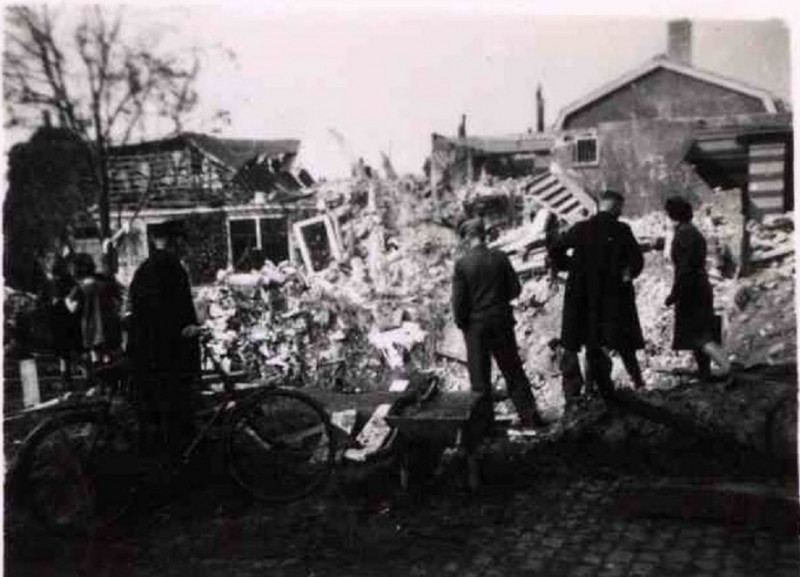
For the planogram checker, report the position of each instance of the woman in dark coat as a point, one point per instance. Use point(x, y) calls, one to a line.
point(691, 292)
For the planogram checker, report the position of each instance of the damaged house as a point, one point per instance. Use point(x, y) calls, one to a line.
point(664, 128)
point(237, 199)
point(668, 127)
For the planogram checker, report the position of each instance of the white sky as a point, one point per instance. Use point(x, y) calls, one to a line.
point(387, 77)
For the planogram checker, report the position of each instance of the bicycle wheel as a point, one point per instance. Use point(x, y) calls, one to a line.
point(76, 472)
point(280, 445)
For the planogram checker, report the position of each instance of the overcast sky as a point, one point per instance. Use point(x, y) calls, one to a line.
point(387, 77)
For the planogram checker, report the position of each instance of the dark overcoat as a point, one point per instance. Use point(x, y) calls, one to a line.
point(691, 290)
point(161, 306)
point(599, 303)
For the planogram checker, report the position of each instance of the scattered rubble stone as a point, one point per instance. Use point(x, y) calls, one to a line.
point(290, 319)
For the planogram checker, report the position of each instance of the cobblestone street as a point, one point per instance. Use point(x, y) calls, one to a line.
point(546, 521)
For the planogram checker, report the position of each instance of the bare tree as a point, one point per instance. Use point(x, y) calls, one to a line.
point(103, 84)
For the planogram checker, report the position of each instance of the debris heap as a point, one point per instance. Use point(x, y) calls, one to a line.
point(372, 313)
point(396, 243)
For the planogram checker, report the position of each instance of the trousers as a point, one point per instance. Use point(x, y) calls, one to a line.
point(494, 338)
point(165, 412)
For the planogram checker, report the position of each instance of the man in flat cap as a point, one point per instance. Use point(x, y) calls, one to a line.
point(599, 301)
point(162, 343)
point(484, 283)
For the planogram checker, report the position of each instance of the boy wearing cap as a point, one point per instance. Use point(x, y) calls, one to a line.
point(484, 283)
point(599, 300)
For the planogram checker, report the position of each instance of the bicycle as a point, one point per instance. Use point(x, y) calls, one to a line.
point(79, 471)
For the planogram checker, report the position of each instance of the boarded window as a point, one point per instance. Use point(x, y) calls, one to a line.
point(585, 151)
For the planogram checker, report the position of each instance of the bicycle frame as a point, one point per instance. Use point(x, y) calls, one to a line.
point(228, 403)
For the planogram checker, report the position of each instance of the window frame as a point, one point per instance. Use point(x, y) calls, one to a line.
point(257, 220)
point(585, 137)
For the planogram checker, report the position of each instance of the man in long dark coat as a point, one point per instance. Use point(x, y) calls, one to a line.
point(163, 341)
point(484, 283)
point(599, 300)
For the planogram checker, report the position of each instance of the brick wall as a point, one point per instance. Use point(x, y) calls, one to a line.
point(642, 160)
point(646, 159)
point(664, 94)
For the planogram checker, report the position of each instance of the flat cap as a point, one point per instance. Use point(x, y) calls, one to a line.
point(612, 195)
point(472, 228)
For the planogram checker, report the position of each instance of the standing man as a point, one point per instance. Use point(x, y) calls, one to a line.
point(484, 283)
point(599, 301)
point(163, 340)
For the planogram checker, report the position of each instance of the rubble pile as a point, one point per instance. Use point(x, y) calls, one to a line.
point(757, 310)
point(382, 307)
point(772, 238)
point(488, 187)
point(760, 307)
point(372, 313)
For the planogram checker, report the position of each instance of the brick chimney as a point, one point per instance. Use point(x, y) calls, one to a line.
point(679, 41)
point(539, 109)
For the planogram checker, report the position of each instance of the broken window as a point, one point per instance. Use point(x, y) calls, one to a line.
point(244, 240)
point(317, 240)
point(585, 151)
point(275, 238)
point(255, 239)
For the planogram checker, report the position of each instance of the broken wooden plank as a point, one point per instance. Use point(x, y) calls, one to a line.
point(452, 345)
point(773, 254)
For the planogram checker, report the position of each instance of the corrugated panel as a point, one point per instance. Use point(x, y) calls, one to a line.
point(768, 167)
point(544, 186)
point(766, 177)
point(549, 190)
point(769, 204)
point(773, 149)
point(766, 186)
point(554, 193)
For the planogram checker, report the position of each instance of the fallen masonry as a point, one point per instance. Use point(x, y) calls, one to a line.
point(378, 312)
point(381, 310)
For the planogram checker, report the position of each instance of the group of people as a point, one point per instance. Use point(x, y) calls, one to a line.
point(156, 326)
point(84, 308)
point(602, 258)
